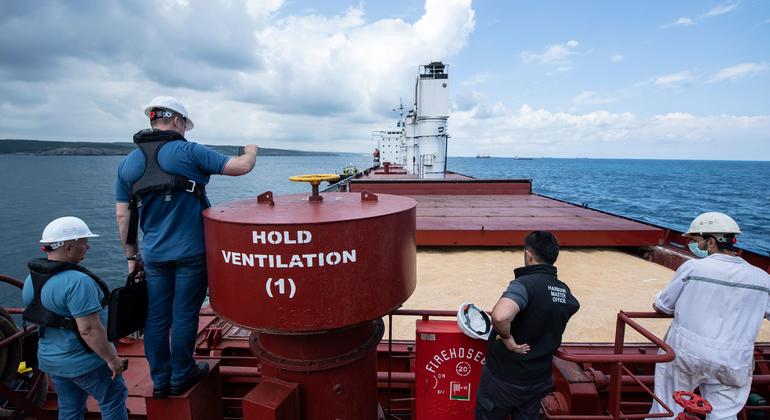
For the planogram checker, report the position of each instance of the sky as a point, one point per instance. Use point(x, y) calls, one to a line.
point(602, 79)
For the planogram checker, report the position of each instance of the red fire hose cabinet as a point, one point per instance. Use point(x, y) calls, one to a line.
point(448, 368)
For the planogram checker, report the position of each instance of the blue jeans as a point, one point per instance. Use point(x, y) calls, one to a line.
point(175, 291)
point(110, 394)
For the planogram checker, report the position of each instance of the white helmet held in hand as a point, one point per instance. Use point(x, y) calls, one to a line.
point(171, 104)
point(473, 321)
point(65, 229)
point(713, 223)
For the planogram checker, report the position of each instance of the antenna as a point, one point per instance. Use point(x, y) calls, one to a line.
point(400, 109)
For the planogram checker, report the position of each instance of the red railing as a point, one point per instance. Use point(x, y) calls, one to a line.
point(617, 358)
point(22, 400)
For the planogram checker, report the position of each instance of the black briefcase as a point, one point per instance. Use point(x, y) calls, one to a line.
point(127, 307)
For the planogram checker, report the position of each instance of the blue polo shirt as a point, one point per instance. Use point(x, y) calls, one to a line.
point(171, 229)
point(73, 294)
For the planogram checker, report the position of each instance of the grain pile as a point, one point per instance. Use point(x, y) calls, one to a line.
point(604, 281)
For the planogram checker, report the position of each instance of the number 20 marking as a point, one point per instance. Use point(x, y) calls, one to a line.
point(281, 285)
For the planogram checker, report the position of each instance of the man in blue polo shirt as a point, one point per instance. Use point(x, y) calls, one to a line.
point(162, 186)
point(68, 303)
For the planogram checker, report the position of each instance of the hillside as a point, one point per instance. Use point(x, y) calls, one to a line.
point(64, 148)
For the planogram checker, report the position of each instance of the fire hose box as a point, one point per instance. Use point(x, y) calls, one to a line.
point(448, 369)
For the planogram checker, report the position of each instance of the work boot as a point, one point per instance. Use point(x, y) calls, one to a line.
point(199, 372)
point(160, 393)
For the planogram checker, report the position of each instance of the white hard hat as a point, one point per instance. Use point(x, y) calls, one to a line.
point(65, 229)
point(172, 104)
point(473, 321)
point(714, 223)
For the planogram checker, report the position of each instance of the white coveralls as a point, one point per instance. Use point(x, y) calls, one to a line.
point(718, 304)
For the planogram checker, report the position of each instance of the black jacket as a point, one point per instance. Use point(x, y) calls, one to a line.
point(550, 304)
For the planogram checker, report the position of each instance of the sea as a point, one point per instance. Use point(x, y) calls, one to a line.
point(668, 193)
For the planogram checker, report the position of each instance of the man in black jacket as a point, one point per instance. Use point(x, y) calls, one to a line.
point(528, 322)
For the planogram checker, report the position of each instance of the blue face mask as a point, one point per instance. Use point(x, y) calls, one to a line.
point(700, 253)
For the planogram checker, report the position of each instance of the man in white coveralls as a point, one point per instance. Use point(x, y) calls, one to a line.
point(718, 302)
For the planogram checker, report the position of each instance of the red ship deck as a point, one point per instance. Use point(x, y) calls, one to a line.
point(470, 212)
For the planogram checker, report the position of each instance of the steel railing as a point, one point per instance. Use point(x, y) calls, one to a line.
point(617, 359)
point(22, 400)
point(342, 184)
point(617, 370)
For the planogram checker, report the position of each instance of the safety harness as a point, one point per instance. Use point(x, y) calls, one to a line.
point(155, 178)
point(41, 270)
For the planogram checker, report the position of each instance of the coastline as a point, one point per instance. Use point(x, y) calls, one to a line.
point(24, 147)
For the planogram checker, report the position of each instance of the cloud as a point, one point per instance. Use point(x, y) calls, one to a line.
point(682, 21)
point(251, 71)
point(262, 9)
point(675, 79)
point(720, 10)
point(590, 98)
point(47, 37)
point(477, 79)
point(500, 126)
point(714, 12)
point(556, 54)
point(616, 58)
point(467, 100)
point(739, 71)
point(301, 50)
point(247, 70)
point(540, 132)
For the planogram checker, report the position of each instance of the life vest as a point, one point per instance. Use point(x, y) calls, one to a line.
point(41, 270)
point(154, 178)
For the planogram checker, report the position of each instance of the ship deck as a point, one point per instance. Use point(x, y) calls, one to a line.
point(462, 211)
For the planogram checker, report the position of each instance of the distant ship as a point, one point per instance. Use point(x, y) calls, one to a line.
point(482, 156)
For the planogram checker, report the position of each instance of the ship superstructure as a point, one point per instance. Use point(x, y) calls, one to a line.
point(419, 142)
